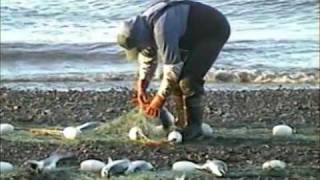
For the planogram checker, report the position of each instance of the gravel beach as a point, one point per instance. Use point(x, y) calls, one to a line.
point(299, 107)
point(263, 108)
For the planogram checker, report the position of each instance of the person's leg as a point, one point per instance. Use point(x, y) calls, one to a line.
point(191, 83)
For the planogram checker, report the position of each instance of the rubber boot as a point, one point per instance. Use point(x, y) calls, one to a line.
point(194, 111)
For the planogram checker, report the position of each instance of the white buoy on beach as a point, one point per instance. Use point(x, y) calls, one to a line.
point(5, 167)
point(216, 167)
point(175, 137)
point(71, 132)
point(6, 128)
point(207, 130)
point(92, 165)
point(185, 167)
point(274, 165)
point(282, 130)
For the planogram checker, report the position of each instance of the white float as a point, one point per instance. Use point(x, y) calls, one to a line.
point(5, 167)
point(282, 130)
point(6, 128)
point(274, 165)
point(92, 165)
point(175, 137)
point(71, 132)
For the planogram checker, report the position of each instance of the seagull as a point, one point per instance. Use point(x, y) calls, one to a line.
point(47, 164)
point(185, 166)
point(138, 166)
point(216, 167)
point(166, 117)
point(207, 130)
point(115, 167)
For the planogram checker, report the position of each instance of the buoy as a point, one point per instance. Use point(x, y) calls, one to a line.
point(92, 165)
point(274, 165)
point(207, 131)
point(175, 137)
point(71, 132)
point(6, 128)
point(216, 167)
point(282, 130)
point(185, 166)
point(5, 167)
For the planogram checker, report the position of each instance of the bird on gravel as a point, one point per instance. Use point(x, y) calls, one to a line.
point(49, 163)
point(216, 167)
point(115, 167)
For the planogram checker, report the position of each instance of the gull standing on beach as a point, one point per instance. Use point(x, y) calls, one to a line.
point(187, 37)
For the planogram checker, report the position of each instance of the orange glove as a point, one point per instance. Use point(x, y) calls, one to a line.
point(142, 95)
point(153, 110)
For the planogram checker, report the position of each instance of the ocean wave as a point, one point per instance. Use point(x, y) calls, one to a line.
point(91, 51)
point(311, 76)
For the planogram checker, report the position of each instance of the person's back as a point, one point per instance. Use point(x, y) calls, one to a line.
point(187, 37)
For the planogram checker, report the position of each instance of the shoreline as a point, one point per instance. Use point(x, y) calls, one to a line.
point(126, 85)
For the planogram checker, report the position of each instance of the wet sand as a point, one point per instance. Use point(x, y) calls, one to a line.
point(253, 109)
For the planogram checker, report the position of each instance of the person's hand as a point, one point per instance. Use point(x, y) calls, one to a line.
point(153, 109)
point(141, 94)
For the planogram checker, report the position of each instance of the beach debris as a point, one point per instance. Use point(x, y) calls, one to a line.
point(187, 167)
point(139, 165)
point(175, 137)
point(6, 128)
point(72, 132)
point(282, 130)
point(92, 165)
point(216, 167)
point(115, 167)
point(5, 167)
point(49, 163)
point(274, 165)
point(207, 130)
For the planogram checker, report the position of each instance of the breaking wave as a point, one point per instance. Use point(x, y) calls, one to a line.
point(312, 76)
